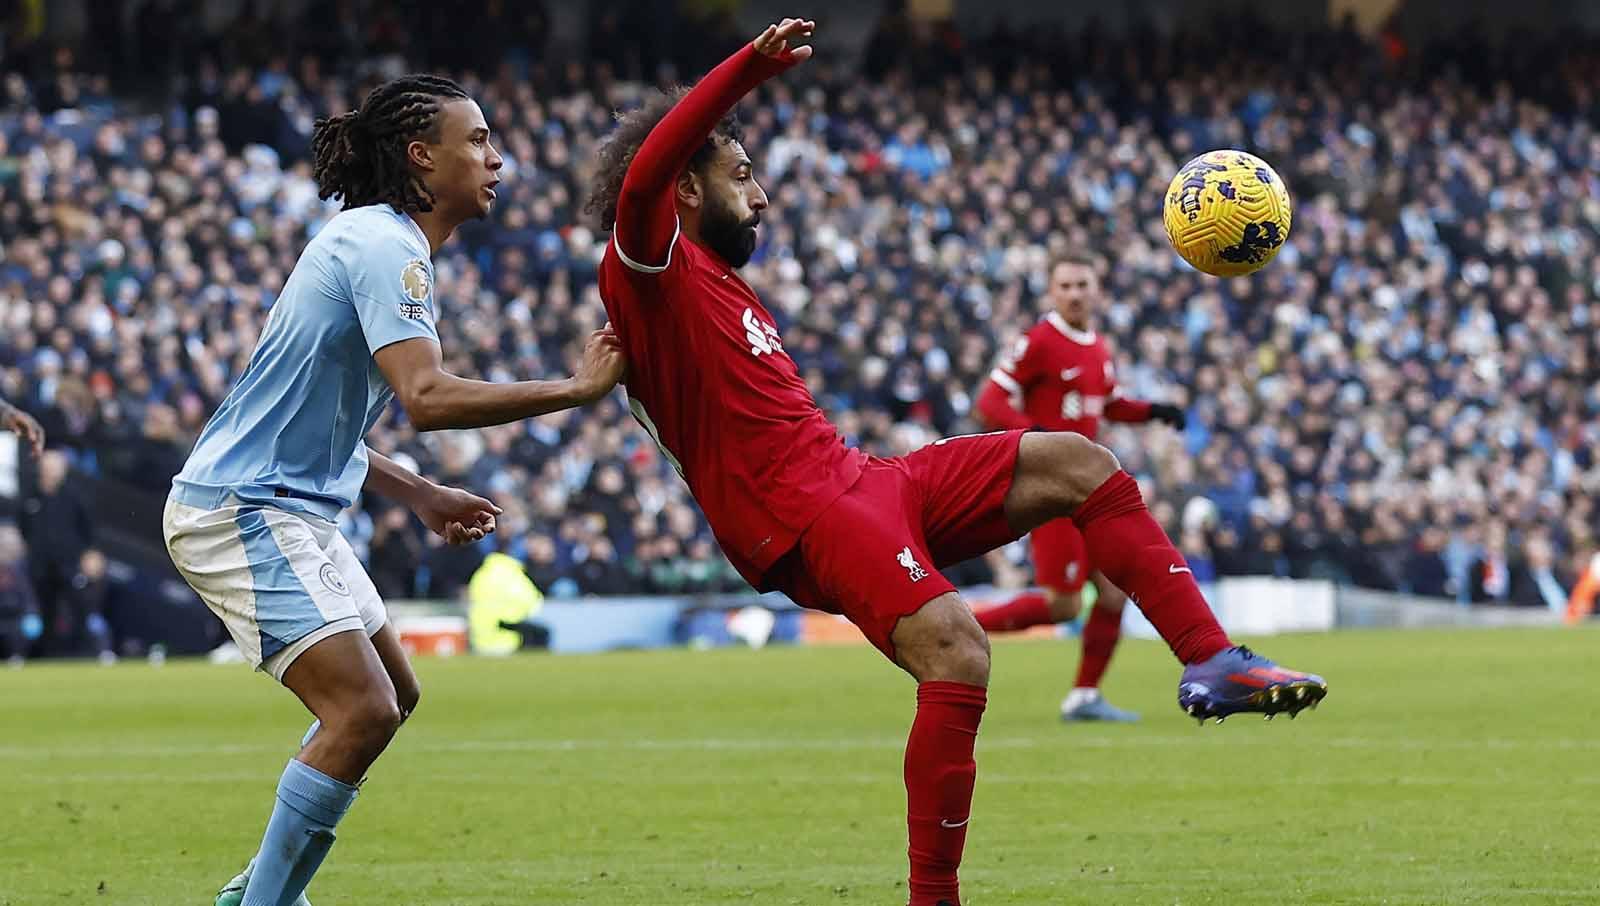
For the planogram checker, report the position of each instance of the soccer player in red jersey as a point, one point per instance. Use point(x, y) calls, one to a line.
point(1060, 378)
point(833, 528)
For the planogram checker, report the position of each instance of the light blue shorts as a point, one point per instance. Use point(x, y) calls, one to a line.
point(280, 581)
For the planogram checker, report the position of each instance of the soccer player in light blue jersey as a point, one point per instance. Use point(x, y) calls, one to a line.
point(250, 520)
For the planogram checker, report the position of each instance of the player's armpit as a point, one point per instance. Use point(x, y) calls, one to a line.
point(654, 226)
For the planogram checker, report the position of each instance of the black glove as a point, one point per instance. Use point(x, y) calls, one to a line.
point(1166, 412)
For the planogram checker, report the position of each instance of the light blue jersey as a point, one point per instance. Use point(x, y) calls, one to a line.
point(290, 432)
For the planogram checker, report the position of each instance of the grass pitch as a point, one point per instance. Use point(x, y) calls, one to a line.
point(1445, 768)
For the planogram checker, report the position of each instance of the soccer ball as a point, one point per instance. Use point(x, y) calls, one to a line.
point(1227, 213)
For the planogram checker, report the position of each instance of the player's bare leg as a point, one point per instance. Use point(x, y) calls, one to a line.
point(1063, 606)
point(349, 682)
point(948, 653)
point(407, 691)
point(1065, 474)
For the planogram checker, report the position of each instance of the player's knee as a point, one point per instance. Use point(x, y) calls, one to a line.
point(969, 659)
point(372, 721)
point(1084, 465)
point(943, 642)
point(1065, 606)
point(1057, 472)
point(406, 698)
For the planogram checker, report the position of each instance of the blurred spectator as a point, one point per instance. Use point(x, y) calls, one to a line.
point(56, 525)
point(396, 552)
point(1533, 580)
point(81, 620)
point(20, 623)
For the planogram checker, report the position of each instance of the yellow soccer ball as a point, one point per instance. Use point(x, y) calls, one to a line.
point(1227, 213)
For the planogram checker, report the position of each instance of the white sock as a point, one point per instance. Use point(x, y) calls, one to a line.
point(1080, 695)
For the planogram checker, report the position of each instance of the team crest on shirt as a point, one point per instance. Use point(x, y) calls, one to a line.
point(909, 561)
point(416, 284)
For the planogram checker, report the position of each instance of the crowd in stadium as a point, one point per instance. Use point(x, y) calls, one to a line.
point(1407, 398)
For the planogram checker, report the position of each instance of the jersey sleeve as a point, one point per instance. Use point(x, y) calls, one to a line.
point(391, 286)
point(647, 219)
point(1118, 407)
point(1019, 369)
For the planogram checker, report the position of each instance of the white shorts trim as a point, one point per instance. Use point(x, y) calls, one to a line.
point(278, 664)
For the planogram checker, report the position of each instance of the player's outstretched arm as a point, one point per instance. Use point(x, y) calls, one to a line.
point(435, 399)
point(647, 218)
point(453, 514)
point(23, 425)
point(1122, 409)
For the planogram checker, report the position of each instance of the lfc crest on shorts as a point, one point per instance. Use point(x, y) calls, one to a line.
point(912, 566)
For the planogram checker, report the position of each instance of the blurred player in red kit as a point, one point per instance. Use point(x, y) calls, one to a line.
point(1060, 378)
point(833, 528)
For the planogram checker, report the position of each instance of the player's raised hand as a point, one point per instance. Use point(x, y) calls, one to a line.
point(602, 367)
point(779, 40)
point(23, 425)
point(455, 515)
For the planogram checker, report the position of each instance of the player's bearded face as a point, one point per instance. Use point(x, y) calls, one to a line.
point(728, 227)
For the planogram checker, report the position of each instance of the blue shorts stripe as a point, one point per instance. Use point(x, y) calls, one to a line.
point(285, 610)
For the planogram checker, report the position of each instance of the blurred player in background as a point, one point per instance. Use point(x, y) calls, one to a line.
point(797, 510)
point(1060, 378)
point(23, 425)
point(251, 518)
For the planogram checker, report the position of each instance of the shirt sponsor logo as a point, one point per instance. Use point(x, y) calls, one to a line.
point(763, 338)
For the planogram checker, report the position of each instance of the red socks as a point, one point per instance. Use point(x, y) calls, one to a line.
point(1100, 634)
point(1031, 609)
point(940, 773)
point(1127, 545)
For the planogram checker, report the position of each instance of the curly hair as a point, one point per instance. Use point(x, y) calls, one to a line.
point(617, 152)
point(360, 156)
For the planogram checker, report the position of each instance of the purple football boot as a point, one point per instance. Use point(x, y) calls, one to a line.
point(1239, 681)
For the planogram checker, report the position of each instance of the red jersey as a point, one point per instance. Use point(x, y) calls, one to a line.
point(707, 373)
point(1060, 379)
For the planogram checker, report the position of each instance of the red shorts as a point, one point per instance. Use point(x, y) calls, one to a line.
point(874, 555)
point(1060, 559)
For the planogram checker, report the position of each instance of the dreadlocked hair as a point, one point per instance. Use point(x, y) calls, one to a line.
point(617, 152)
point(360, 156)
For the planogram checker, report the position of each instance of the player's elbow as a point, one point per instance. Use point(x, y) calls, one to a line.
point(992, 409)
point(423, 400)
